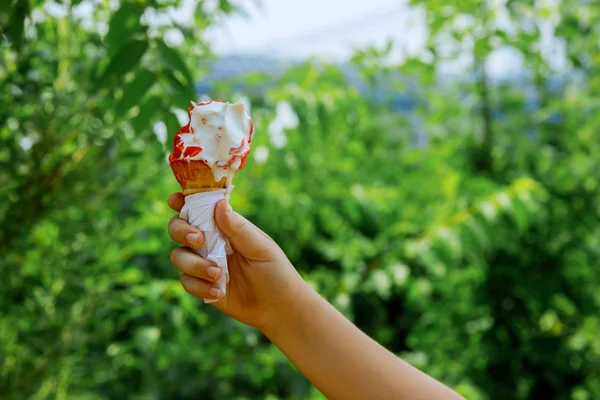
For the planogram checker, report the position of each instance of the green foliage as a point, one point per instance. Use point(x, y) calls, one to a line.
point(474, 257)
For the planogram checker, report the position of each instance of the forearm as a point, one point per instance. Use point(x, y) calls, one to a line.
point(343, 362)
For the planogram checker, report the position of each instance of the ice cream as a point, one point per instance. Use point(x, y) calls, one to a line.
point(207, 154)
point(212, 147)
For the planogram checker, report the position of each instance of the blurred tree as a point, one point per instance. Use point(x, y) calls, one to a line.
point(463, 235)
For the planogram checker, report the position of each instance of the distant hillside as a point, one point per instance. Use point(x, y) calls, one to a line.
point(238, 65)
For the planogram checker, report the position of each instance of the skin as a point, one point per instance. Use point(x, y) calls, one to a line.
point(266, 291)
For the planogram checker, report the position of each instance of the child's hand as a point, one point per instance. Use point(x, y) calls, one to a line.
point(262, 283)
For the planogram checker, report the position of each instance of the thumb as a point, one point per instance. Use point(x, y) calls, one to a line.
point(242, 234)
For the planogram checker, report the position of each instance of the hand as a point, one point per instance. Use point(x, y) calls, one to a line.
point(263, 283)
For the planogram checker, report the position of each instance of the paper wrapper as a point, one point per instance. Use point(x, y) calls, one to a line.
point(199, 211)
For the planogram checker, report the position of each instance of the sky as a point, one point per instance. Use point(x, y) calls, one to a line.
point(331, 29)
point(324, 28)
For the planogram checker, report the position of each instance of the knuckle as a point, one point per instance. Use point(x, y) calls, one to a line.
point(199, 265)
point(172, 226)
point(185, 283)
point(239, 226)
point(192, 286)
point(175, 255)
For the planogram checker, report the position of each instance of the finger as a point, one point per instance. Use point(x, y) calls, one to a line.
point(192, 264)
point(176, 201)
point(185, 234)
point(244, 236)
point(200, 288)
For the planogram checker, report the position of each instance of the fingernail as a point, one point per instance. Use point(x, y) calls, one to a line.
point(192, 239)
point(213, 272)
point(214, 293)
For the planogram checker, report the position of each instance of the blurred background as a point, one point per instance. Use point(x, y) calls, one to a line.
point(430, 167)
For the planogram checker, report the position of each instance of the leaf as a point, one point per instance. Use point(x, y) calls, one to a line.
point(226, 6)
point(488, 210)
point(172, 127)
point(448, 246)
point(17, 21)
point(419, 291)
point(550, 323)
point(520, 214)
point(432, 263)
point(5, 7)
point(564, 304)
point(477, 233)
point(399, 273)
point(146, 337)
point(175, 61)
point(135, 91)
point(127, 58)
point(474, 251)
point(149, 110)
point(182, 93)
point(380, 283)
point(124, 24)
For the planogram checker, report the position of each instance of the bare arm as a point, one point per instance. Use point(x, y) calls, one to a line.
point(343, 362)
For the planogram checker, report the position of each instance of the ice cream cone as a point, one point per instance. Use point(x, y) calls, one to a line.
point(195, 177)
point(207, 154)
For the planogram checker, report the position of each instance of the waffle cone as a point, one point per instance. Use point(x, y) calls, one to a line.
point(196, 177)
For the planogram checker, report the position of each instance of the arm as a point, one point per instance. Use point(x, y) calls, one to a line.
point(343, 362)
point(265, 291)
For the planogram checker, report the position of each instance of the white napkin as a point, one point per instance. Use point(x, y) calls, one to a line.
point(199, 211)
